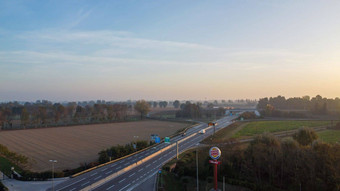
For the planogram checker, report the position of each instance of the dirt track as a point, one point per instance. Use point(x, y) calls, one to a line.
point(78, 144)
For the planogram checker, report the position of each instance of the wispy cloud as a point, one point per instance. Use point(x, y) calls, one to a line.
point(111, 38)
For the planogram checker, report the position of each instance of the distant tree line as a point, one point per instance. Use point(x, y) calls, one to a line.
point(315, 105)
point(272, 164)
point(195, 110)
point(44, 113)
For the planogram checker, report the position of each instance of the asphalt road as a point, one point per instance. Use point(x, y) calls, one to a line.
point(134, 178)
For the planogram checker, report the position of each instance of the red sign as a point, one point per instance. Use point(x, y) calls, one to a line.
point(214, 162)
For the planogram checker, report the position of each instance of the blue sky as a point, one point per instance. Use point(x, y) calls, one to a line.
point(119, 50)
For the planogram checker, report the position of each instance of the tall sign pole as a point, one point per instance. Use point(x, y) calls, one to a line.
point(215, 154)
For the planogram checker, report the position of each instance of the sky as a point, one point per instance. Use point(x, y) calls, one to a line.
point(77, 50)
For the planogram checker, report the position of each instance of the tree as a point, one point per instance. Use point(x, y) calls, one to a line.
point(176, 104)
point(142, 107)
point(305, 136)
point(24, 117)
point(155, 104)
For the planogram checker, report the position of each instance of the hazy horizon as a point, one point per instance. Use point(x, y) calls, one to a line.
point(168, 50)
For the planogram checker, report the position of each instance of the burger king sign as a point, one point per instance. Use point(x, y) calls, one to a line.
point(214, 153)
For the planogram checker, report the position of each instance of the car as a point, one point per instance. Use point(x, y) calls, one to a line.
point(202, 131)
point(183, 134)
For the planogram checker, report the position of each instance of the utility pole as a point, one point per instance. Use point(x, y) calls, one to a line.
point(53, 161)
point(197, 169)
point(214, 128)
point(177, 149)
point(223, 183)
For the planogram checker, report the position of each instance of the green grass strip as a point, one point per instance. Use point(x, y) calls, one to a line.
point(259, 127)
point(329, 136)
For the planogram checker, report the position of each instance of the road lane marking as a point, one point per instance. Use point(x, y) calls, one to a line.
point(140, 169)
point(132, 174)
point(148, 165)
point(72, 184)
point(121, 180)
point(124, 187)
point(110, 187)
point(109, 172)
point(85, 183)
point(97, 177)
point(104, 169)
point(94, 174)
point(73, 189)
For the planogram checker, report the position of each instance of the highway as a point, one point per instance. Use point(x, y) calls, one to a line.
point(131, 172)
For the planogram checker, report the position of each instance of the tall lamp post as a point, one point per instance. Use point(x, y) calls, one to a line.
point(53, 161)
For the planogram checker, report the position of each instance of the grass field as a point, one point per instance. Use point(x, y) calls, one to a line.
point(74, 145)
point(259, 127)
point(5, 166)
point(330, 136)
point(224, 134)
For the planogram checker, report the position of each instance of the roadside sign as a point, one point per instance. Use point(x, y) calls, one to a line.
point(214, 162)
point(153, 137)
point(167, 140)
point(157, 140)
point(210, 124)
point(214, 153)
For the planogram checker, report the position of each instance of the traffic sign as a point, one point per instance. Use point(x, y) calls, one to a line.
point(214, 153)
point(167, 140)
point(157, 140)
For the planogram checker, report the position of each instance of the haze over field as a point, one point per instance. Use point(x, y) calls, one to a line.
point(118, 50)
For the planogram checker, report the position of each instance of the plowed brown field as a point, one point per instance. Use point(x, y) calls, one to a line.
point(79, 144)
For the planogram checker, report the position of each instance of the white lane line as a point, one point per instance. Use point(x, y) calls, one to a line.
point(118, 167)
point(154, 162)
point(85, 183)
point(109, 172)
point(72, 184)
point(124, 187)
point(121, 180)
point(140, 169)
point(94, 174)
point(104, 169)
point(113, 165)
point(132, 174)
point(73, 189)
point(97, 177)
point(148, 165)
point(110, 187)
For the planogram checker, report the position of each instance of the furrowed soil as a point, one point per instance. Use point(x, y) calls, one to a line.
point(75, 145)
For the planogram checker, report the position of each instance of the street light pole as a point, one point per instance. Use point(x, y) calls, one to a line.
point(197, 169)
point(53, 161)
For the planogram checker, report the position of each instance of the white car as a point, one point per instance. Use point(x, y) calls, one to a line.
point(202, 131)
